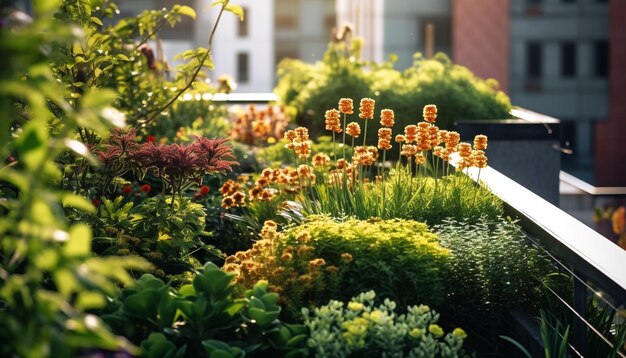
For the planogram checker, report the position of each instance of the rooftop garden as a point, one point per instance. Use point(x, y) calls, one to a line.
point(339, 222)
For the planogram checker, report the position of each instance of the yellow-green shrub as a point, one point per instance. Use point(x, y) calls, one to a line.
point(325, 258)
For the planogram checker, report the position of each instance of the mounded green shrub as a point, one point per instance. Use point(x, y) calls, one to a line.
point(325, 258)
point(311, 89)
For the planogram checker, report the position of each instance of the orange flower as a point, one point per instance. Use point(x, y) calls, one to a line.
point(384, 144)
point(408, 150)
point(346, 257)
point(478, 159)
point(332, 121)
point(353, 129)
point(480, 142)
point(386, 118)
point(618, 220)
point(290, 135)
point(400, 138)
point(367, 108)
point(346, 106)
point(430, 113)
point(228, 202)
point(420, 158)
point(320, 160)
point(453, 140)
point(410, 133)
point(465, 150)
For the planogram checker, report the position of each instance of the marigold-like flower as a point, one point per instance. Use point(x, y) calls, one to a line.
point(342, 163)
point(303, 149)
point(384, 133)
point(353, 129)
point(317, 262)
point(239, 198)
point(400, 138)
point(290, 135)
point(386, 118)
point(228, 202)
point(433, 133)
point(367, 108)
point(430, 113)
point(346, 257)
point(346, 106)
point(480, 142)
point(286, 256)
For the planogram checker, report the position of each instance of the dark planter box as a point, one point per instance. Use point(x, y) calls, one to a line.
point(525, 148)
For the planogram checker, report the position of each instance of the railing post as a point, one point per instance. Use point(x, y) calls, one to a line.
point(579, 328)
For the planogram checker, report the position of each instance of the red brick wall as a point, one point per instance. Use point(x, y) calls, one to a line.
point(480, 38)
point(610, 136)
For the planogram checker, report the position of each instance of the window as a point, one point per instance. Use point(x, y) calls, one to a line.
point(601, 58)
point(568, 59)
point(442, 34)
point(243, 67)
point(242, 26)
point(534, 65)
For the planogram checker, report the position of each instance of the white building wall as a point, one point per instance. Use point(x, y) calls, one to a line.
point(259, 44)
point(368, 20)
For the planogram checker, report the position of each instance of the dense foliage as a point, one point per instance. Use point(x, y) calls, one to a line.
point(326, 258)
point(312, 88)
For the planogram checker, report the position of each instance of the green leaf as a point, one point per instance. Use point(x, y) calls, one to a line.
point(187, 11)
point(123, 57)
point(262, 317)
point(95, 20)
point(143, 304)
point(80, 149)
point(236, 10)
point(32, 144)
point(79, 244)
point(89, 300)
point(77, 202)
point(219, 2)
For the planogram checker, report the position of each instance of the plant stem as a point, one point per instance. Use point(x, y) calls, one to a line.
point(193, 77)
point(344, 136)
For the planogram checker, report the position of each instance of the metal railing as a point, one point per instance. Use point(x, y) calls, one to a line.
point(596, 265)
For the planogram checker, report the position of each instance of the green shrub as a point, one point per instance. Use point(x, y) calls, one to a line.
point(491, 269)
point(325, 258)
point(203, 319)
point(314, 88)
point(361, 329)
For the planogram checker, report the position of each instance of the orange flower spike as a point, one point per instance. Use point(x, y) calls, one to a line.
point(430, 113)
point(384, 133)
point(353, 129)
point(366, 108)
point(346, 106)
point(290, 135)
point(420, 158)
point(480, 142)
point(332, 120)
point(454, 138)
point(400, 138)
point(465, 150)
point(387, 118)
point(618, 220)
point(410, 133)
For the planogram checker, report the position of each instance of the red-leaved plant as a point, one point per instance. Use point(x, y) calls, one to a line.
point(178, 166)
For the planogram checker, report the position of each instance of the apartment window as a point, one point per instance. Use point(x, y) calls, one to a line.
point(442, 38)
point(243, 67)
point(601, 58)
point(534, 65)
point(242, 26)
point(568, 59)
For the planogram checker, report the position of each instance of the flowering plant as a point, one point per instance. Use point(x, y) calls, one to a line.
point(361, 328)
